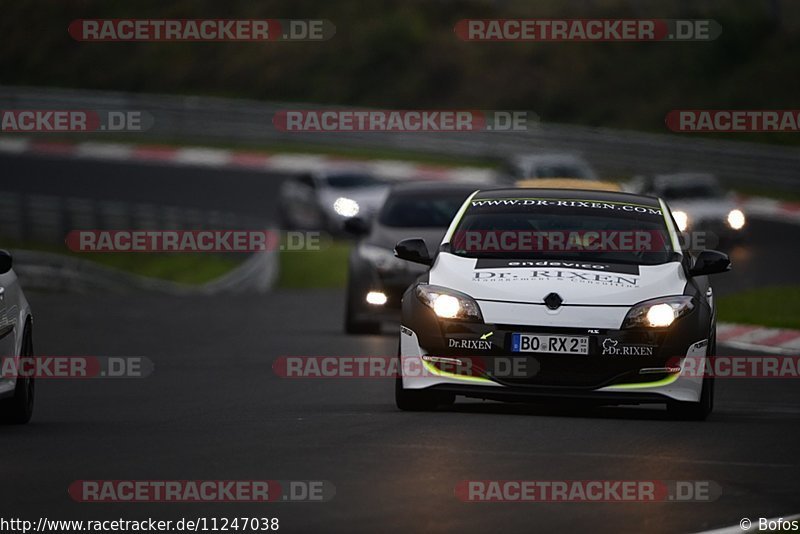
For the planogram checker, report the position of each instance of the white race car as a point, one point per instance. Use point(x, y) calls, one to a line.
point(538, 294)
point(16, 341)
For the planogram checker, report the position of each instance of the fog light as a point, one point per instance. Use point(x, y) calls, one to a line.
point(659, 370)
point(377, 298)
point(439, 359)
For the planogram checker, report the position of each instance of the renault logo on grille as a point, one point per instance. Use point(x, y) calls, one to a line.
point(553, 301)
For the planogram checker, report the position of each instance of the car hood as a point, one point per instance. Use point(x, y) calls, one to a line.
point(583, 283)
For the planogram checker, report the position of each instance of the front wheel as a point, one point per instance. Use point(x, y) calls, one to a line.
point(413, 400)
point(354, 326)
point(698, 411)
point(695, 411)
point(418, 400)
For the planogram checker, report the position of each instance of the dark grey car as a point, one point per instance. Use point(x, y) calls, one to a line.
point(376, 278)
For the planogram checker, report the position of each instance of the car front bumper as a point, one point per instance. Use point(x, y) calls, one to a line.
point(664, 367)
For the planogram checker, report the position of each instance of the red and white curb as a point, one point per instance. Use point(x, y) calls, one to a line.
point(239, 159)
point(775, 209)
point(759, 338)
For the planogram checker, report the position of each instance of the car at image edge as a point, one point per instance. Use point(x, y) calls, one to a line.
point(16, 341)
point(376, 279)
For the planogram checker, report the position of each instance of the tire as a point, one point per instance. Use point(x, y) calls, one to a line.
point(697, 411)
point(419, 400)
point(412, 400)
point(352, 326)
point(18, 410)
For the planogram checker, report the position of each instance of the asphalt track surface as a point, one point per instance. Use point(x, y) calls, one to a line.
point(214, 409)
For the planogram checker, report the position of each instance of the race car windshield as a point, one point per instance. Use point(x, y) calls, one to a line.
point(585, 230)
point(352, 181)
point(420, 211)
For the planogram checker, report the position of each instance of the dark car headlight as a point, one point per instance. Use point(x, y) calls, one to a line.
point(658, 313)
point(449, 304)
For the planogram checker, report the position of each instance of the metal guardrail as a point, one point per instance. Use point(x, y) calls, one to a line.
point(613, 152)
point(47, 220)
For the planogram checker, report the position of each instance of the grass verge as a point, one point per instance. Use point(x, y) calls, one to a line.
point(192, 269)
point(314, 269)
point(777, 306)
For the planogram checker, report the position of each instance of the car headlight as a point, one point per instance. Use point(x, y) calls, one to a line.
point(382, 258)
point(376, 298)
point(658, 313)
point(681, 219)
point(449, 304)
point(346, 207)
point(736, 219)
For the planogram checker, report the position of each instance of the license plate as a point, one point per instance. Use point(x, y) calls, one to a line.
point(550, 343)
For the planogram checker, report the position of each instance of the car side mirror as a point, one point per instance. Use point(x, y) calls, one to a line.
point(413, 249)
point(5, 261)
point(356, 226)
point(710, 262)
